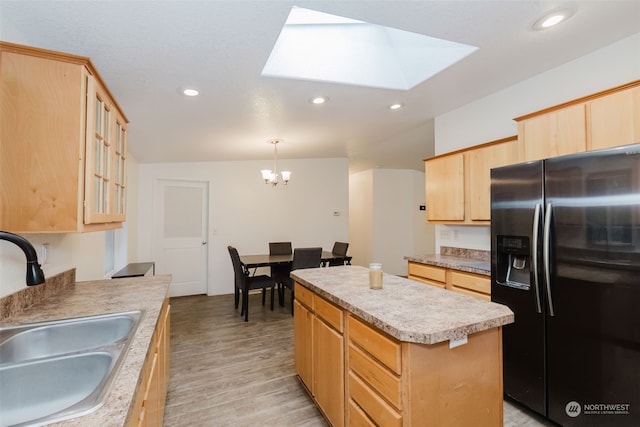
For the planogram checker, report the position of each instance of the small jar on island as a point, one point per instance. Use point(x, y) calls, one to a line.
point(375, 275)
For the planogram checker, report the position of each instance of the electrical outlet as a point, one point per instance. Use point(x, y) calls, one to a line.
point(44, 253)
point(445, 234)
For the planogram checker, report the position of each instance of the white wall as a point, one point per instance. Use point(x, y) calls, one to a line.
point(84, 251)
point(131, 224)
point(386, 222)
point(361, 217)
point(491, 118)
point(246, 213)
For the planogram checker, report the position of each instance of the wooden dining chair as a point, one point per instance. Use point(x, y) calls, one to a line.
point(302, 258)
point(244, 283)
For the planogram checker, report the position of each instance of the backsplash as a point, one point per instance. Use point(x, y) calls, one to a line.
point(478, 254)
point(25, 298)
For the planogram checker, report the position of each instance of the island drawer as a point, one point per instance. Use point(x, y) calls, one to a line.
point(376, 376)
point(384, 349)
point(373, 405)
point(329, 313)
point(304, 296)
point(357, 417)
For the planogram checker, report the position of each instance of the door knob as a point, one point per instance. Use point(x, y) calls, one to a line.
point(204, 242)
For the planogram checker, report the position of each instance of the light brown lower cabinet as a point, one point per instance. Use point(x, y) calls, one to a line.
point(394, 383)
point(149, 401)
point(431, 275)
point(475, 285)
point(319, 352)
point(360, 376)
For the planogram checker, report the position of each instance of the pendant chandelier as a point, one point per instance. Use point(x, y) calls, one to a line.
point(272, 176)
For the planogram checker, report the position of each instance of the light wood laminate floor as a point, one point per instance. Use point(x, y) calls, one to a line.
point(225, 372)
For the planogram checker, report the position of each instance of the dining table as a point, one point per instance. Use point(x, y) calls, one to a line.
point(266, 260)
point(281, 265)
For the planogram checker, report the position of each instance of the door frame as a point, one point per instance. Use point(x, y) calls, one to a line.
point(156, 210)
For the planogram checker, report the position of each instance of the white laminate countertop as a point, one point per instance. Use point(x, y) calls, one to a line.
point(103, 297)
point(405, 309)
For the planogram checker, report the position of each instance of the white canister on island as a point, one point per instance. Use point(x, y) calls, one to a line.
point(375, 275)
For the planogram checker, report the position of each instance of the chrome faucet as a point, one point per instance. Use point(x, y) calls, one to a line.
point(35, 275)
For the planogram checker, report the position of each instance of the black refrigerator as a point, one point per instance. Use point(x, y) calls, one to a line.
point(565, 257)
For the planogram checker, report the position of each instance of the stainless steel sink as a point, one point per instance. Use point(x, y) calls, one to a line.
point(48, 339)
point(61, 385)
point(58, 370)
point(36, 340)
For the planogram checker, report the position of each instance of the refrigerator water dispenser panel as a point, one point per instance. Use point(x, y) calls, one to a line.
point(513, 261)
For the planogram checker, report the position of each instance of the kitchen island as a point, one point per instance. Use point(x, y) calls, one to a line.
point(405, 355)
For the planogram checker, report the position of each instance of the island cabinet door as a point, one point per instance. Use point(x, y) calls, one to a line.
point(328, 372)
point(328, 360)
point(303, 335)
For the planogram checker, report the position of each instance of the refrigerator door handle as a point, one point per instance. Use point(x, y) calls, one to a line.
point(534, 255)
point(546, 243)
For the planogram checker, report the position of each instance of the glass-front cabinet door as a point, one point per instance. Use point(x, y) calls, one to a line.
point(105, 156)
point(119, 177)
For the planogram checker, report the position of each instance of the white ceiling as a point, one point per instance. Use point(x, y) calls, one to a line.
point(147, 50)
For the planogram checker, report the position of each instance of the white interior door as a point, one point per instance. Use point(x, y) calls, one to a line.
point(180, 234)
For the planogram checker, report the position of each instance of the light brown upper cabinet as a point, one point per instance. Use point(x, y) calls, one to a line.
point(481, 161)
point(554, 133)
point(444, 182)
point(601, 120)
point(614, 119)
point(458, 184)
point(62, 146)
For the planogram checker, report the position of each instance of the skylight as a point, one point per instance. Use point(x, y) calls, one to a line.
point(322, 47)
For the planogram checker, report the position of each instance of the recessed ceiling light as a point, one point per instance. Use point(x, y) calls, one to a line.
point(190, 92)
point(319, 100)
point(395, 106)
point(553, 18)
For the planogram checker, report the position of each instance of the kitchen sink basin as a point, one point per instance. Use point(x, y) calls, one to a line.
point(37, 340)
point(53, 388)
point(57, 370)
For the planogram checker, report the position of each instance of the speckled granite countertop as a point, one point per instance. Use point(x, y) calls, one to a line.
point(102, 297)
point(407, 310)
point(469, 260)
